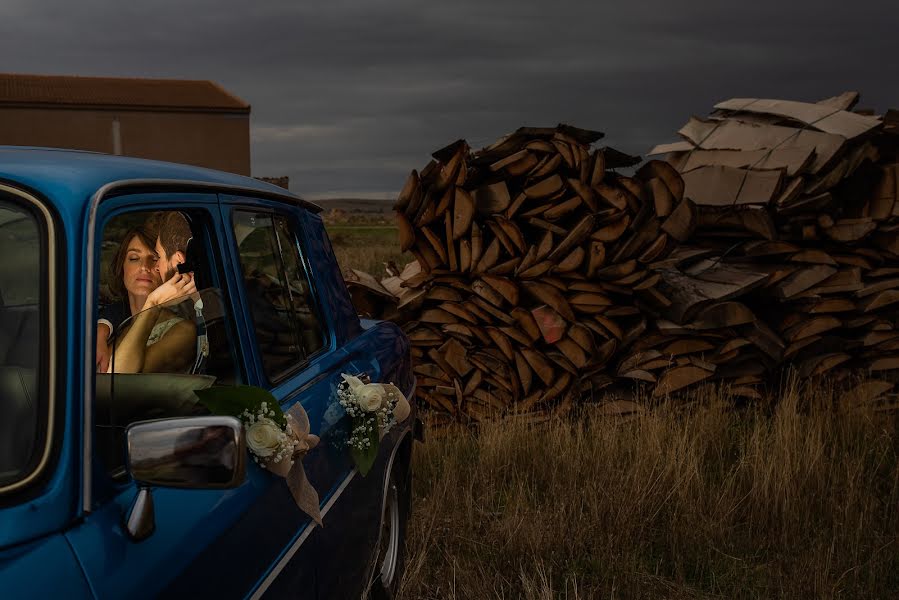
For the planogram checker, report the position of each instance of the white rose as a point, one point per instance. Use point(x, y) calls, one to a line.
point(264, 437)
point(371, 397)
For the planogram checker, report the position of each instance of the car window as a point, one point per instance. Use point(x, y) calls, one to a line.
point(287, 324)
point(158, 341)
point(23, 332)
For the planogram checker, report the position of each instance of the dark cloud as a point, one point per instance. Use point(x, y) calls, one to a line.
point(349, 96)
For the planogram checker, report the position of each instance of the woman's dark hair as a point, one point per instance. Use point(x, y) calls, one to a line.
point(116, 267)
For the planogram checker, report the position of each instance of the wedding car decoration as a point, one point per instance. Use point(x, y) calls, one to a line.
point(373, 409)
point(277, 441)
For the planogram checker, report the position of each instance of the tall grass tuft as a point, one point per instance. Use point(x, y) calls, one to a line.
point(792, 499)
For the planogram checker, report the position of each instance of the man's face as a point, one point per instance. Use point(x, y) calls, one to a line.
point(165, 265)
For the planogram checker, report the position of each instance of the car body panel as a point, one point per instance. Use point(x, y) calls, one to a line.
point(24, 571)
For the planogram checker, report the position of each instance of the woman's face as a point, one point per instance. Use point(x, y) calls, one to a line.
point(139, 270)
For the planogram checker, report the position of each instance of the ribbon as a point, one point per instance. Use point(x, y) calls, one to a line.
point(292, 469)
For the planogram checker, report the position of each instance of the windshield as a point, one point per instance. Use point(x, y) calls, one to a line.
point(21, 337)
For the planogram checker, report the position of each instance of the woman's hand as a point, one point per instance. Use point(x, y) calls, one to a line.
point(179, 286)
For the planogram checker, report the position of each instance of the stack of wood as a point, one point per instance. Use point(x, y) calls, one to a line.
point(792, 235)
point(531, 267)
point(767, 238)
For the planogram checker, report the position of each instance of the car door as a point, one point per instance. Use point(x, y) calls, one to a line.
point(285, 263)
point(217, 543)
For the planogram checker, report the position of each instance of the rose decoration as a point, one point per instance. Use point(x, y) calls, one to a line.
point(373, 408)
point(264, 437)
point(276, 440)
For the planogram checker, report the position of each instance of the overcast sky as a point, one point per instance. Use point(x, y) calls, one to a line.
point(349, 96)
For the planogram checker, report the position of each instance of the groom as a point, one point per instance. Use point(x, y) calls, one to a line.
point(172, 237)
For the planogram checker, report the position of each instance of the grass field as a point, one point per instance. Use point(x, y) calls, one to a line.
point(798, 502)
point(788, 499)
point(366, 247)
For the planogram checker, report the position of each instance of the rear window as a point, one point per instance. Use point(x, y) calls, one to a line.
point(23, 284)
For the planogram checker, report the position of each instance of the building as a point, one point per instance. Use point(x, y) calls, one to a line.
point(192, 122)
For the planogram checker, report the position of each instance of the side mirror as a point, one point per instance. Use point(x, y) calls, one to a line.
point(206, 452)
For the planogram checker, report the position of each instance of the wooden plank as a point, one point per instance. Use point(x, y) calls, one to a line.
point(793, 160)
point(735, 135)
point(728, 186)
point(455, 356)
point(550, 323)
point(821, 117)
point(681, 223)
point(678, 378)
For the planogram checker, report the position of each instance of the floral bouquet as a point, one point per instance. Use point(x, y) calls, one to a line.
point(374, 408)
point(277, 441)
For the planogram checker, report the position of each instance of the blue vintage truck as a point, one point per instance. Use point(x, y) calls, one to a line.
point(76, 518)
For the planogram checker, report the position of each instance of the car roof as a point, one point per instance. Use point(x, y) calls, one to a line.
point(72, 177)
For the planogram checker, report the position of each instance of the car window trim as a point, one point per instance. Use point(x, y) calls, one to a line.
point(49, 311)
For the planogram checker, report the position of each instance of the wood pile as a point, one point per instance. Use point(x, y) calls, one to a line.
point(766, 238)
point(533, 260)
point(792, 244)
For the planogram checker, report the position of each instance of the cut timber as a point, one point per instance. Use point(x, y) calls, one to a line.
point(525, 374)
point(662, 197)
point(527, 323)
point(502, 342)
point(612, 195)
point(463, 213)
point(585, 193)
point(550, 295)
point(727, 186)
point(823, 118)
point(678, 378)
point(577, 234)
point(689, 295)
point(793, 160)
point(803, 279)
point(489, 258)
point(539, 364)
point(810, 327)
point(565, 208)
point(452, 258)
point(546, 188)
point(492, 199)
point(550, 324)
point(739, 135)
point(665, 173)
point(411, 186)
point(505, 287)
point(612, 231)
point(850, 230)
point(572, 261)
point(596, 257)
point(406, 232)
point(681, 223)
point(455, 355)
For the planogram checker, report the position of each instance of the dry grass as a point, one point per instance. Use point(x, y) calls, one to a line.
point(796, 501)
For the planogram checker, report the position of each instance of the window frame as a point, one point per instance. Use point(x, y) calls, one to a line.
point(296, 228)
point(48, 354)
point(203, 212)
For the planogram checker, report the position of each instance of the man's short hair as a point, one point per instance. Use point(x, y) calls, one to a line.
point(173, 231)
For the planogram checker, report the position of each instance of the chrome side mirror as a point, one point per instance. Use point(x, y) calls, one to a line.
point(190, 453)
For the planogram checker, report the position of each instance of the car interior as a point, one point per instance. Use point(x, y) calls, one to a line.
point(20, 340)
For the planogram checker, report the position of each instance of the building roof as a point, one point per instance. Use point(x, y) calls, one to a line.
point(115, 92)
